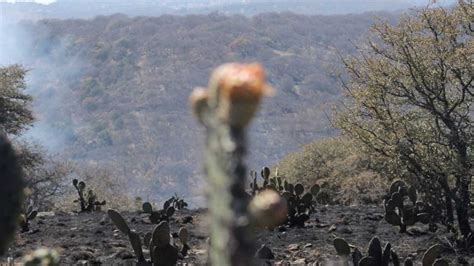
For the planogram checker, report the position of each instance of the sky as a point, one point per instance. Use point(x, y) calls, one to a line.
point(45, 2)
point(388, 1)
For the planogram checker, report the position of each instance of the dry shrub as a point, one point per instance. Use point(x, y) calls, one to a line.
point(366, 187)
point(353, 178)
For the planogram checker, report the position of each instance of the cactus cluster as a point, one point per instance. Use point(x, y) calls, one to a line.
point(177, 202)
point(300, 204)
point(25, 218)
point(376, 256)
point(159, 215)
point(11, 192)
point(402, 207)
point(159, 242)
point(87, 200)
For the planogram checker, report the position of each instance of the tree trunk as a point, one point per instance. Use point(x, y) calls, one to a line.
point(462, 206)
point(449, 200)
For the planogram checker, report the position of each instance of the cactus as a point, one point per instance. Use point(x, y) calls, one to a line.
point(375, 254)
point(401, 213)
point(183, 235)
point(25, 219)
point(431, 257)
point(382, 257)
point(42, 256)
point(162, 251)
point(161, 215)
point(225, 108)
point(87, 200)
point(177, 203)
point(300, 205)
point(11, 192)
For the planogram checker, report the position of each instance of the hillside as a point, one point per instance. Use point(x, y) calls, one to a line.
point(66, 9)
point(114, 89)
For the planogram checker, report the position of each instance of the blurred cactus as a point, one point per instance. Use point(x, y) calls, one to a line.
point(225, 108)
point(299, 205)
point(402, 207)
point(87, 200)
point(268, 209)
point(162, 251)
point(43, 257)
point(26, 217)
point(11, 192)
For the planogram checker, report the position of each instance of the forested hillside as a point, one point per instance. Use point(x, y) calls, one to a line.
point(114, 89)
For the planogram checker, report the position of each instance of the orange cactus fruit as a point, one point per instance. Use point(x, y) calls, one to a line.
point(237, 90)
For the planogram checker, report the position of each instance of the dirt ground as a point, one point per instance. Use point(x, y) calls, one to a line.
point(91, 238)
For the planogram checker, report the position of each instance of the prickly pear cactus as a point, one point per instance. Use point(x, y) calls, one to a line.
point(225, 108)
point(375, 254)
point(402, 207)
point(11, 192)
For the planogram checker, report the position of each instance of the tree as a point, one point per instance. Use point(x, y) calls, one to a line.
point(43, 175)
point(411, 94)
point(15, 114)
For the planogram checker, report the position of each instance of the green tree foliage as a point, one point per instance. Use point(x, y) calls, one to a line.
point(15, 113)
point(411, 94)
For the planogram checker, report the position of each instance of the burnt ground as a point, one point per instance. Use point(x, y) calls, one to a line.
point(92, 238)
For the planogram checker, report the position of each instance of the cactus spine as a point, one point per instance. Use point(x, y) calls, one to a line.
point(225, 109)
point(11, 192)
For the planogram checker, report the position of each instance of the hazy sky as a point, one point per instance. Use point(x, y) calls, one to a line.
point(387, 1)
point(37, 1)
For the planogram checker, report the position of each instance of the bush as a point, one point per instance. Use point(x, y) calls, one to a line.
point(350, 173)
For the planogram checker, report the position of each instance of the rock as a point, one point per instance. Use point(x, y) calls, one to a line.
point(123, 254)
point(187, 219)
point(309, 245)
point(374, 217)
point(299, 262)
point(265, 253)
point(416, 231)
point(332, 228)
point(80, 255)
point(346, 230)
point(293, 247)
point(282, 228)
point(103, 221)
point(45, 214)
